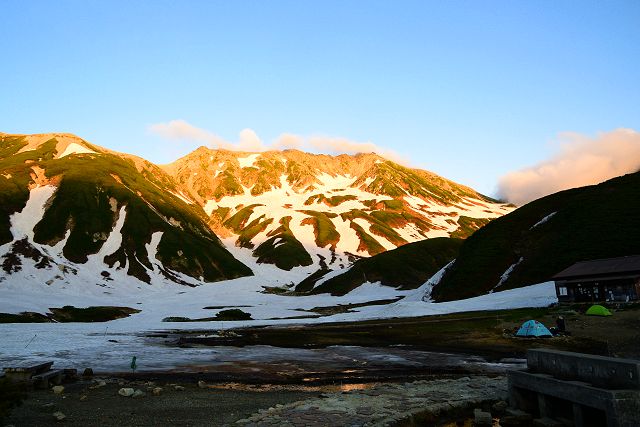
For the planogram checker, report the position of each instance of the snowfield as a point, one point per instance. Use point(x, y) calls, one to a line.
point(285, 201)
point(109, 346)
point(63, 283)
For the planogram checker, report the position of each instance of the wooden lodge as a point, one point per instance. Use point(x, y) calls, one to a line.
point(610, 279)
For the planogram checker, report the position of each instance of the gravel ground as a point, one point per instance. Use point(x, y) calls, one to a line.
point(193, 406)
point(97, 402)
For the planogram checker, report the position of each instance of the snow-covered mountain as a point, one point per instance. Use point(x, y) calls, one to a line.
point(73, 209)
point(295, 209)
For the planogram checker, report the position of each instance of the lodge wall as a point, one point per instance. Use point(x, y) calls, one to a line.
point(598, 290)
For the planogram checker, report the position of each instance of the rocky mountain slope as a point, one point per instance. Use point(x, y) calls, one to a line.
point(542, 238)
point(297, 209)
point(70, 208)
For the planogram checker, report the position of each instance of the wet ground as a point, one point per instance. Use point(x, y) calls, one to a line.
point(110, 352)
point(96, 402)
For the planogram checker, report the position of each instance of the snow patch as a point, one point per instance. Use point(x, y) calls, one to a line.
point(423, 293)
point(507, 273)
point(113, 242)
point(539, 295)
point(543, 220)
point(75, 148)
point(182, 197)
point(23, 222)
point(248, 161)
point(152, 248)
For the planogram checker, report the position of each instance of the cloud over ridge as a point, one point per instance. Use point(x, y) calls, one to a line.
point(580, 161)
point(248, 140)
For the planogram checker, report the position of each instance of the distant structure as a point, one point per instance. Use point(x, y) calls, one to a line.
point(610, 279)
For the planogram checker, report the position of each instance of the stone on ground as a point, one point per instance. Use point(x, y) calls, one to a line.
point(59, 416)
point(139, 393)
point(482, 418)
point(126, 392)
point(58, 389)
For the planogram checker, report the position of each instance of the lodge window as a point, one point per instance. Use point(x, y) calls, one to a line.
point(562, 291)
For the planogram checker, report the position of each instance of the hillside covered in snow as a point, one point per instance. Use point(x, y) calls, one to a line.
point(71, 209)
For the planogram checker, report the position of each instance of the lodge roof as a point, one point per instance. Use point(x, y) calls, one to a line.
point(601, 267)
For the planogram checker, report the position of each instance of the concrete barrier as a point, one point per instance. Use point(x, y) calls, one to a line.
point(606, 372)
point(577, 389)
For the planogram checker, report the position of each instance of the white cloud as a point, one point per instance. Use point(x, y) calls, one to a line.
point(248, 140)
point(180, 129)
point(581, 161)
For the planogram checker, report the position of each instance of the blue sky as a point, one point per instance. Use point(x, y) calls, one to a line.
point(470, 90)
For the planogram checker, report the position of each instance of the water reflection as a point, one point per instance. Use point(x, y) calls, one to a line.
point(266, 388)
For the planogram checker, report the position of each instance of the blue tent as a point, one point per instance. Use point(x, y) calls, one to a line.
point(533, 328)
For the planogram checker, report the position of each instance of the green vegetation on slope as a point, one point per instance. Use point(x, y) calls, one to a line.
point(468, 226)
point(283, 249)
point(332, 201)
point(323, 229)
point(589, 223)
point(91, 190)
point(395, 180)
point(252, 229)
point(70, 313)
point(14, 179)
point(406, 267)
point(379, 226)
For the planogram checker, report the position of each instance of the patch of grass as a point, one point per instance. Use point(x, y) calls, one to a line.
point(467, 226)
point(69, 313)
point(395, 181)
point(252, 229)
point(233, 314)
point(237, 221)
point(367, 243)
point(309, 282)
point(229, 186)
point(393, 204)
point(24, 317)
point(224, 315)
point(379, 224)
point(334, 201)
point(283, 249)
point(323, 228)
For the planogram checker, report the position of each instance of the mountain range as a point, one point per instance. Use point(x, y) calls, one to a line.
point(74, 215)
point(70, 207)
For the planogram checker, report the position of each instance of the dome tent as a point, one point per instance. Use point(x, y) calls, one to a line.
point(533, 328)
point(598, 310)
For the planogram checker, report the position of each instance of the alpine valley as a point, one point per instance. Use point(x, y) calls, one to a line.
point(271, 238)
point(74, 211)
